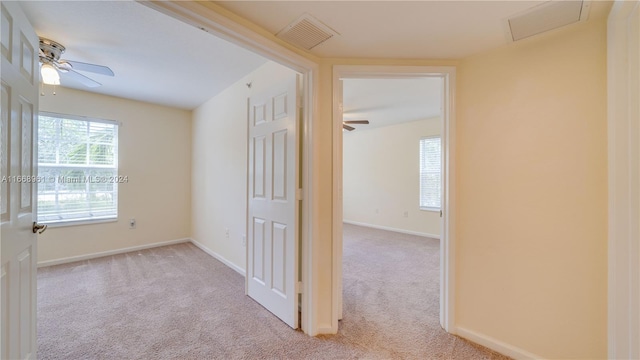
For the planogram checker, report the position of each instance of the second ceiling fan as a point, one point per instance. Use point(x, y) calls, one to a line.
point(346, 123)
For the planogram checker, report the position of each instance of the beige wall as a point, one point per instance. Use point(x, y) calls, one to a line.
point(381, 171)
point(154, 148)
point(219, 176)
point(531, 252)
point(532, 194)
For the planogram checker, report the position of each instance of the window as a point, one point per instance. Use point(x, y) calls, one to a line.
point(78, 169)
point(430, 173)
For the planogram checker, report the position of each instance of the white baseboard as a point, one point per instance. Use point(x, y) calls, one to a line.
point(109, 253)
point(496, 345)
point(219, 257)
point(409, 232)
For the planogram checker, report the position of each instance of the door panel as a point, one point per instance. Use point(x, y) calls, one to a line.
point(26, 159)
point(259, 164)
point(279, 271)
point(18, 163)
point(257, 270)
point(4, 151)
point(272, 266)
point(279, 183)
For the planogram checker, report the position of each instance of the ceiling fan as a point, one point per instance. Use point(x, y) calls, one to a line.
point(53, 66)
point(345, 124)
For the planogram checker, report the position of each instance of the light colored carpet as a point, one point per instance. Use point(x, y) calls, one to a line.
point(176, 302)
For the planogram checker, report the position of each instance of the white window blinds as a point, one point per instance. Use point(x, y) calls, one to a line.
point(77, 169)
point(430, 173)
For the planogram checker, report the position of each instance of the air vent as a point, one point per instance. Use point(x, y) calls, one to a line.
point(548, 16)
point(306, 32)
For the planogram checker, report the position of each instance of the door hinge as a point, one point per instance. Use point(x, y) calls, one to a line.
point(298, 194)
point(299, 287)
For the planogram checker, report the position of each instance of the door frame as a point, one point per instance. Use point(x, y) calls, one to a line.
point(447, 236)
point(623, 70)
point(209, 17)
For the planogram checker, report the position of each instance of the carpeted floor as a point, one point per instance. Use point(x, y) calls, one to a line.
point(176, 302)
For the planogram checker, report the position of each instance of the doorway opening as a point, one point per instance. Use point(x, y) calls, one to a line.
point(363, 203)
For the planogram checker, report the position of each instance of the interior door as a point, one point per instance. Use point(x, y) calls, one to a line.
point(19, 109)
point(272, 249)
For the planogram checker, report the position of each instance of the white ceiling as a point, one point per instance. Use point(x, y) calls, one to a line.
point(387, 102)
point(393, 29)
point(155, 58)
point(159, 59)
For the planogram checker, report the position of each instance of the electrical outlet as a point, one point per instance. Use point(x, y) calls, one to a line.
point(405, 214)
point(376, 211)
point(226, 233)
point(132, 223)
point(244, 240)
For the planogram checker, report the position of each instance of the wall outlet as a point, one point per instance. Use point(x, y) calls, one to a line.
point(226, 233)
point(405, 214)
point(132, 223)
point(244, 240)
point(376, 211)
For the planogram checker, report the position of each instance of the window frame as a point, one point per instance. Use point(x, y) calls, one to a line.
point(81, 221)
point(428, 208)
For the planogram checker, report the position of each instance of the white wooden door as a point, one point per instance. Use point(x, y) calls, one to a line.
point(19, 109)
point(272, 248)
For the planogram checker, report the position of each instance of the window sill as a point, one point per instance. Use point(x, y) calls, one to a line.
point(55, 224)
point(431, 209)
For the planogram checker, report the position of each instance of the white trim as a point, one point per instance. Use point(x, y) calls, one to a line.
point(337, 203)
point(110, 253)
point(447, 241)
point(387, 228)
point(207, 16)
point(623, 64)
point(496, 345)
point(219, 257)
point(58, 224)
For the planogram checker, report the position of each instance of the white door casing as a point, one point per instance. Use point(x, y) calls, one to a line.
point(19, 110)
point(623, 74)
point(272, 248)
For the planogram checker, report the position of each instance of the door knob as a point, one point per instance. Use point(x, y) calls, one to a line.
point(38, 228)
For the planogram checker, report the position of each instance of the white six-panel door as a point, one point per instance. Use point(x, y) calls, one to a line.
point(272, 247)
point(19, 109)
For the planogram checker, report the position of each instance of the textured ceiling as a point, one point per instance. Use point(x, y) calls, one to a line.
point(398, 29)
point(155, 58)
point(393, 29)
point(159, 59)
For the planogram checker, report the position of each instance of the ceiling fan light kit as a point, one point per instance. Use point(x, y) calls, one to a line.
point(49, 74)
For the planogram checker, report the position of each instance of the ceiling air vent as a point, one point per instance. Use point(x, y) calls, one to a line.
point(548, 16)
point(306, 32)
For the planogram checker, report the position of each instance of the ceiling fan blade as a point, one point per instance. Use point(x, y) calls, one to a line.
point(98, 69)
point(347, 127)
point(356, 122)
point(76, 76)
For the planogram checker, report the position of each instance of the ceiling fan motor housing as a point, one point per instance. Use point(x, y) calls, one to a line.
point(50, 50)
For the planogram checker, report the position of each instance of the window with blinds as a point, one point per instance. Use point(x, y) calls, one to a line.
point(430, 173)
point(77, 169)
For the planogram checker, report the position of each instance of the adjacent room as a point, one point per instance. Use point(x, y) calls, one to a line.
point(392, 190)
